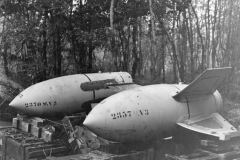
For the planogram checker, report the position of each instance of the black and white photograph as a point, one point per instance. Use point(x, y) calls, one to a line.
point(119, 80)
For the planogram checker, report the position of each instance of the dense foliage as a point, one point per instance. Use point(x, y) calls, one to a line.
point(156, 41)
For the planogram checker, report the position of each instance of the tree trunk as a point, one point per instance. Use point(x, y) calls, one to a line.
point(163, 57)
point(214, 40)
point(218, 28)
point(4, 50)
point(73, 37)
point(201, 39)
point(190, 41)
point(5, 60)
point(140, 48)
point(207, 45)
point(90, 47)
point(174, 51)
point(134, 50)
point(183, 58)
point(125, 46)
point(229, 33)
point(59, 54)
point(82, 58)
point(111, 14)
point(44, 52)
point(114, 53)
point(54, 55)
point(90, 56)
point(153, 41)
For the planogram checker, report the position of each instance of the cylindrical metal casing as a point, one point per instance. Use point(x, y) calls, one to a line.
point(146, 113)
point(64, 95)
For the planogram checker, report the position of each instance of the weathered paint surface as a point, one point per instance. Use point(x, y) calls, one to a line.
point(152, 112)
point(64, 94)
point(144, 113)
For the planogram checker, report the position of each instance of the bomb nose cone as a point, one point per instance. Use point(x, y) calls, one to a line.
point(20, 103)
point(17, 102)
point(95, 121)
point(110, 119)
point(92, 121)
point(26, 101)
point(14, 103)
point(89, 121)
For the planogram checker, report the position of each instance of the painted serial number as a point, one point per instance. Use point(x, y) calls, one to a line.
point(36, 104)
point(129, 114)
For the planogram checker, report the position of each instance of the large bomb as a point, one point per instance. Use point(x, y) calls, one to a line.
point(68, 94)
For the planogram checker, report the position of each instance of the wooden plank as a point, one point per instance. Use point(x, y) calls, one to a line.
point(48, 152)
point(36, 131)
point(216, 146)
point(6, 127)
point(26, 127)
point(194, 155)
point(15, 123)
point(4, 147)
point(72, 157)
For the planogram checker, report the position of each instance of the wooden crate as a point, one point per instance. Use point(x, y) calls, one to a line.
point(32, 125)
point(20, 150)
point(35, 121)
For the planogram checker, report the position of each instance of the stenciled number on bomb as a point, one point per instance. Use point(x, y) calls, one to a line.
point(129, 114)
point(37, 104)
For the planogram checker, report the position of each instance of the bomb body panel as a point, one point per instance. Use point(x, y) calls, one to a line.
point(64, 95)
point(144, 113)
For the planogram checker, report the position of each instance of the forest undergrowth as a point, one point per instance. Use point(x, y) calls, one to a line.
point(231, 104)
